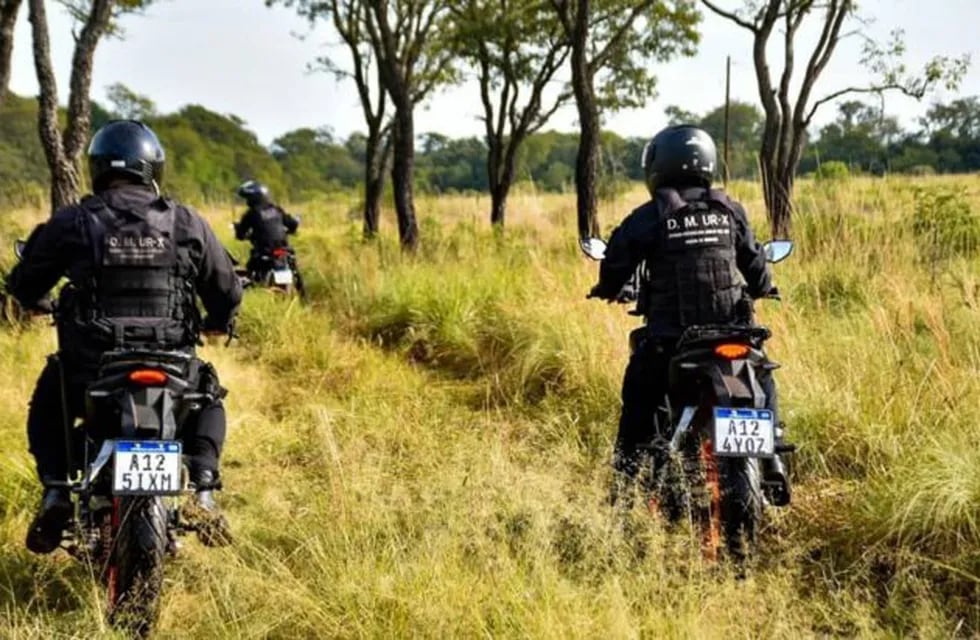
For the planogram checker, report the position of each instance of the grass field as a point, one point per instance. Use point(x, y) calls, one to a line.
point(423, 451)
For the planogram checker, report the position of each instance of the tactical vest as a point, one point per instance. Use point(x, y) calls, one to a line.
point(692, 277)
point(269, 230)
point(139, 290)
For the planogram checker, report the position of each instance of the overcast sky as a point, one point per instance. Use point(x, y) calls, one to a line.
point(237, 56)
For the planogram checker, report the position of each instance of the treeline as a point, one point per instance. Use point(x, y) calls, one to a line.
point(210, 153)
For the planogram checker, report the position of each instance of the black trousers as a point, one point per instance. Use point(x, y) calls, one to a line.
point(645, 385)
point(203, 434)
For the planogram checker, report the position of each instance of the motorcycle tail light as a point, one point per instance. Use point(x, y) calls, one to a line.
point(279, 253)
point(732, 351)
point(148, 377)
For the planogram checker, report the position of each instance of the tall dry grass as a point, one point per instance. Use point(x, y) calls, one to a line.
point(423, 450)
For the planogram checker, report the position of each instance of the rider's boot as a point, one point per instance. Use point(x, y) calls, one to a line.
point(54, 514)
point(203, 513)
point(775, 473)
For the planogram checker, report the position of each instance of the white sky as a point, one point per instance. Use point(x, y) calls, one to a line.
point(237, 56)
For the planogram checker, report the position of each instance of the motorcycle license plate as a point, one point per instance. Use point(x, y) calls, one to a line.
point(146, 467)
point(282, 277)
point(744, 433)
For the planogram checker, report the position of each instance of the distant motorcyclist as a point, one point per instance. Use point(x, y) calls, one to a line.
point(264, 224)
point(700, 261)
point(136, 263)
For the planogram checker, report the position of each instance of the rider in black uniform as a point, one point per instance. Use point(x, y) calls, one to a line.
point(264, 224)
point(136, 264)
point(701, 258)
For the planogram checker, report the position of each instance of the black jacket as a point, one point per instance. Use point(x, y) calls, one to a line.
point(61, 248)
point(687, 280)
point(266, 227)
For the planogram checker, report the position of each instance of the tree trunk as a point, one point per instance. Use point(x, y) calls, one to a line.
point(498, 199)
point(402, 172)
point(8, 17)
point(78, 127)
point(376, 155)
point(587, 166)
point(373, 189)
point(780, 202)
point(64, 153)
point(64, 174)
point(587, 159)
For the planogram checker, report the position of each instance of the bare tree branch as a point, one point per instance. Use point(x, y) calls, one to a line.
point(730, 15)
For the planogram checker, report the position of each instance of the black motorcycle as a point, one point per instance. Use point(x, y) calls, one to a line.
point(710, 466)
point(133, 476)
point(275, 270)
point(128, 475)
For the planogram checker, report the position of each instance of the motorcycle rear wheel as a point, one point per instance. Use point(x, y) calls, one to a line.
point(136, 570)
point(741, 505)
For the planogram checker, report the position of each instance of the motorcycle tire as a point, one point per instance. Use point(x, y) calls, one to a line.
point(740, 481)
point(136, 572)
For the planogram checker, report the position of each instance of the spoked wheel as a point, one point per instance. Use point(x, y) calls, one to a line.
point(135, 574)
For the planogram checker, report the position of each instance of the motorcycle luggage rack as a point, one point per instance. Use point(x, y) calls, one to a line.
point(121, 360)
point(707, 335)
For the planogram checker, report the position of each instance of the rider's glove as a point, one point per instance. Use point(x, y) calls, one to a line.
point(627, 293)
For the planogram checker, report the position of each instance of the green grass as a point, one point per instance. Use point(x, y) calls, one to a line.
point(423, 451)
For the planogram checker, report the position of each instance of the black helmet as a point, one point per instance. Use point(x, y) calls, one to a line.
point(679, 156)
point(125, 149)
point(253, 191)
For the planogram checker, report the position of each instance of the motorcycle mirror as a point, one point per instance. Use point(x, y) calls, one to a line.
point(777, 250)
point(19, 246)
point(594, 248)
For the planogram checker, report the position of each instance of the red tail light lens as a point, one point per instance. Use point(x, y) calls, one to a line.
point(279, 253)
point(148, 377)
point(731, 351)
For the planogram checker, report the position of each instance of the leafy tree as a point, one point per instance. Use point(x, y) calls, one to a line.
point(348, 18)
point(788, 112)
point(613, 43)
point(64, 150)
point(128, 104)
point(411, 42)
point(745, 128)
point(517, 47)
point(446, 164)
point(210, 154)
point(312, 161)
point(859, 138)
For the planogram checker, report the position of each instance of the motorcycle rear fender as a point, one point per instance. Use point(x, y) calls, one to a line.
point(732, 382)
point(145, 411)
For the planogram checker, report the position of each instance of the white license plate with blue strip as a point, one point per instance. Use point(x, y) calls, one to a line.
point(146, 467)
point(744, 433)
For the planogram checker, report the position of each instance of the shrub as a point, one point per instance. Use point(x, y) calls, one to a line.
point(944, 223)
point(832, 170)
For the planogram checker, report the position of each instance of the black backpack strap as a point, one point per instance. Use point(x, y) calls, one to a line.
point(720, 199)
point(94, 225)
point(670, 201)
